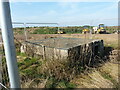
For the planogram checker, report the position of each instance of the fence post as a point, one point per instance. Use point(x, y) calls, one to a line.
point(8, 40)
point(25, 31)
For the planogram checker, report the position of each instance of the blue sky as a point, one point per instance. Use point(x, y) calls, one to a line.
point(66, 13)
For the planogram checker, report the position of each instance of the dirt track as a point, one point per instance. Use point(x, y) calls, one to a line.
point(108, 37)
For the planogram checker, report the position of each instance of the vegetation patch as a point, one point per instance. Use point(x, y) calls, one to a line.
point(58, 74)
point(108, 77)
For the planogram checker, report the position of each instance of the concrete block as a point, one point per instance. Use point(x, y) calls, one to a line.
point(75, 49)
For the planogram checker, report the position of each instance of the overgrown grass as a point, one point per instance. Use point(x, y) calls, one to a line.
point(112, 45)
point(53, 83)
point(4, 72)
point(108, 77)
point(58, 73)
point(21, 54)
point(30, 68)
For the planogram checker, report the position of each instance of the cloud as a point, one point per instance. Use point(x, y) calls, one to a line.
point(71, 13)
point(63, 0)
point(107, 14)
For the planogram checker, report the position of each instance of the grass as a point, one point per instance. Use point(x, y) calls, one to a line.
point(112, 45)
point(71, 85)
point(28, 62)
point(54, 30)
point(28, 66)
point(108, 41)
point(42, 31)
point(21, 54)
point(53, 83)
point(64, 84)
point(29, 69)
point(18, 30)
point(108, 77)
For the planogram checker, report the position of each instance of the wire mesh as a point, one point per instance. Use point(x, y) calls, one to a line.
point(4, 78)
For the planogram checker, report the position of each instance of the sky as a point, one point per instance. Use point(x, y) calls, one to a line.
point(66, 13)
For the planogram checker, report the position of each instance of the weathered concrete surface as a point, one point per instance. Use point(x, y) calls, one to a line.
point(65, 48)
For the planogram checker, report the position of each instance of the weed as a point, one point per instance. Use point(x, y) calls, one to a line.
point(108, 77)
point(71, 85)
point(21, 54)
point(54, 83)
point(51, 83)
point(61, 84)
point(112, 45)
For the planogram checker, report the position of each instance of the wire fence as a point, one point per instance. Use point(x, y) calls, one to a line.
point(29, 73)
point(4, 78)
point(31, 30)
